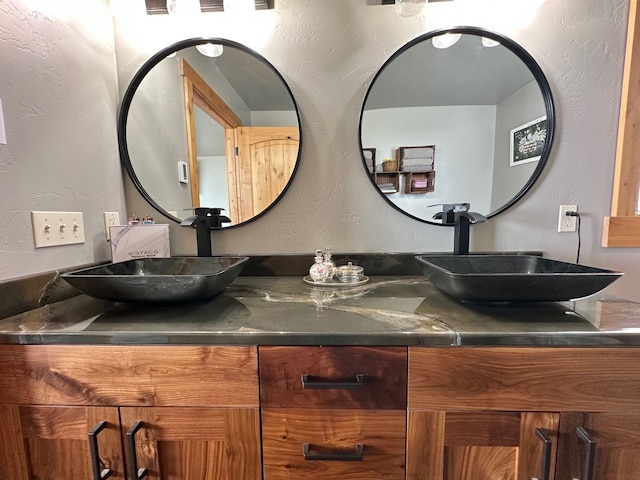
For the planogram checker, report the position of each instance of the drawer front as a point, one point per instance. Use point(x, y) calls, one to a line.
point(129, 376)
point(333, 377)
point(346, 444)
point(526, 379)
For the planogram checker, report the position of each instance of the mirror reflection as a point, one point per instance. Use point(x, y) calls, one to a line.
point(208, 122)
point(457, 116)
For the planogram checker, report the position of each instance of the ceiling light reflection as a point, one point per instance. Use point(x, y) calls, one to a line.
point(210, 49)
point(487, 42)
point(446, 40)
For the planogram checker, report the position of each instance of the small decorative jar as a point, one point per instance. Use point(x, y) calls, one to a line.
point(349, 273)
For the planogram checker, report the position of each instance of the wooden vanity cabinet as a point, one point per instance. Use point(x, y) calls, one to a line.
point(333, 412)
point(181, 412)
point(516, 413)
point(162, 412)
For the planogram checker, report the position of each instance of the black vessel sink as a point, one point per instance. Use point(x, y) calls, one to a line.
point(158, 280)
point(513, 278)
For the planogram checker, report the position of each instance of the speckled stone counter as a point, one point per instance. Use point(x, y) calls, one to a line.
point(284, 310)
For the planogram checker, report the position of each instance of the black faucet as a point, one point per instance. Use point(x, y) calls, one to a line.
point(205, 220)
point(458, 215)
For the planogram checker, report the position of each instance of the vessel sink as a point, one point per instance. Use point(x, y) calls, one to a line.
point(158, 280)
point(513, 278)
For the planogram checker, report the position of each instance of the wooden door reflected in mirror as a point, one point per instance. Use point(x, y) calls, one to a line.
point(232, 119)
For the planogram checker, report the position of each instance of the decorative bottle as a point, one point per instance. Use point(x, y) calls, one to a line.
point(329, 264)
point(318, 271)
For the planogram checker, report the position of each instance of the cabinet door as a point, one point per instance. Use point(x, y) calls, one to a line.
point(42, 442)
point(192, 443)
point(480, 445)
point(608, 446)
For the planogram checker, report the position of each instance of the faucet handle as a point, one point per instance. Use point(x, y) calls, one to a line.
point(449, 210)
point(456, 207)
point(209, 211)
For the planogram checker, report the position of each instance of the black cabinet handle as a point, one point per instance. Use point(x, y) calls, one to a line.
point(545, 465)
point(307, 382)
point(589, 452)
point(336, 455)
point(99, 473)
point(134, 472)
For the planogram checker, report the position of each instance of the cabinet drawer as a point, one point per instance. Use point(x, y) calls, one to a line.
point(334, 377)
point(345, 444)
point(526, 379)
point(133, 376)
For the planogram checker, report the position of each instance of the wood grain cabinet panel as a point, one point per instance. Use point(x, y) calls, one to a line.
point(524, 379)
point(615, 448)
point(333, 412)
point(40, 442)
point(497, 413)
point(195, 409)
point(138, 375)
point(480, 445)
point(334, 377)
point(181, 443)
point(345, 444)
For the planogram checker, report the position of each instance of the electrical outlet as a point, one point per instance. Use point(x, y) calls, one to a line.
point(110, 219)
point(51, 229)
point(567, 223)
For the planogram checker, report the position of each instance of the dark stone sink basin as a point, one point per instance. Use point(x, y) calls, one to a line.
point(158, 280)
point(513, 278)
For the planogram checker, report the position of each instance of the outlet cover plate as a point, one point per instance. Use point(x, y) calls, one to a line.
point(51, 229)
point(111, 219)
point(567, 223)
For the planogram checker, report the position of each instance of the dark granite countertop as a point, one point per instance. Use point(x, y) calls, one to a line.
point(284, 310)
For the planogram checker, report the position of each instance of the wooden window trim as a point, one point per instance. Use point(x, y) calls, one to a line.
point(198, 92)
point(622, 228)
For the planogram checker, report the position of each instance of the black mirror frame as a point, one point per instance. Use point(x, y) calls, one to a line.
point(125, 105)
point(538, 75)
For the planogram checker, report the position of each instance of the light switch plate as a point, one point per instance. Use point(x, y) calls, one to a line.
point(51, 229)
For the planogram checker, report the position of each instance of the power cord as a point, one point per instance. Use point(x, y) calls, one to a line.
point(577, 215)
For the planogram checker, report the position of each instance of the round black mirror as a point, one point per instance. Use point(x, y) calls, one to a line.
point(458, 115)
point(207, 122)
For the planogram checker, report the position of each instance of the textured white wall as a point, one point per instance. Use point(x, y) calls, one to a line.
point(61, 111)
point(59, 93)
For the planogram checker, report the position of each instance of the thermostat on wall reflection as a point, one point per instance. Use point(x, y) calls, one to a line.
point(183, 172)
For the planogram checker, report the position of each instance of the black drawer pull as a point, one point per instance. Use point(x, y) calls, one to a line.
point(99, 473)
point(546, 454)
point(333, 455)
point(308, 382)
point(134, 472)
point(589, 452)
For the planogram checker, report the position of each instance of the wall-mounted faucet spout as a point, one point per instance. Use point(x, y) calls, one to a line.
point(205, 220)
point(458, 215)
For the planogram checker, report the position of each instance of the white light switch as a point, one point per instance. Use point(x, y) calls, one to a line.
point(3, 134)
point(57, 228)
